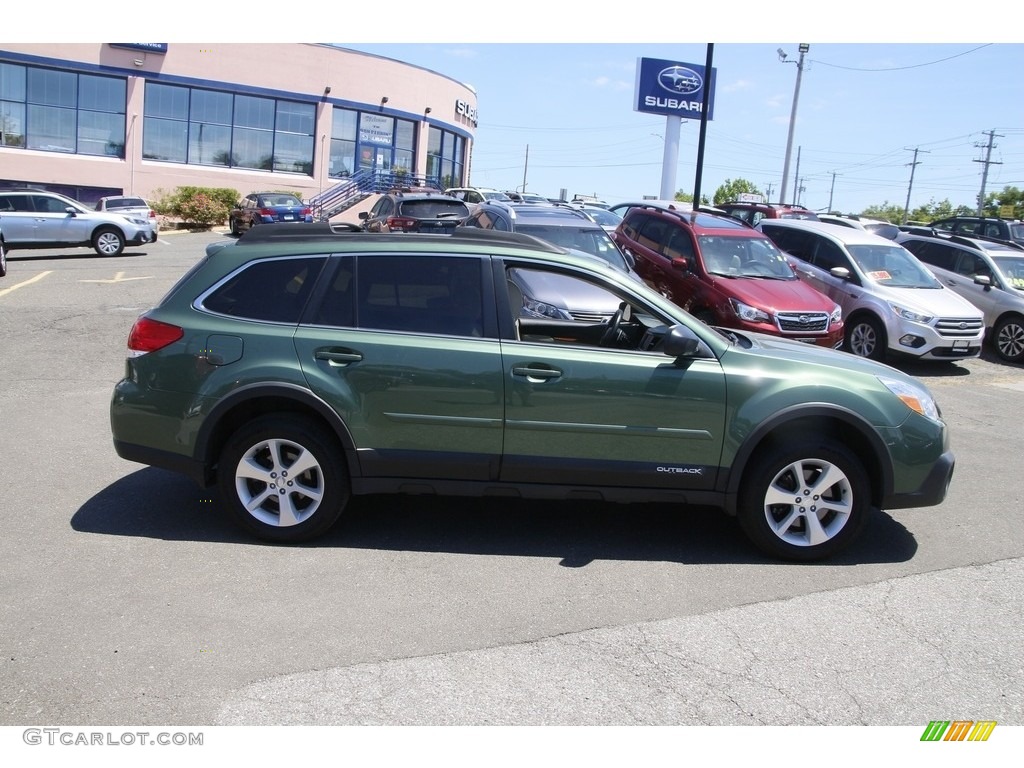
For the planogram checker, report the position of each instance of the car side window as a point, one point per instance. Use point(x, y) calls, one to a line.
point(936, 254)
point(337, 307)
point(274, 291)
point(420, 294)
point(792, 241)
point(652, 233)
point(679, 244)
point(971, 265)
point(828, 255)
point(45, 204)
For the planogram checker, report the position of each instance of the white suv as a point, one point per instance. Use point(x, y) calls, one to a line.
point(891, 302)
point(987, 273)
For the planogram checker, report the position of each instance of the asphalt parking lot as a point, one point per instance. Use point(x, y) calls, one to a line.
point(128, 599)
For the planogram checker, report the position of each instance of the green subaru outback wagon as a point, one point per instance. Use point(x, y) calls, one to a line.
point(300, 366)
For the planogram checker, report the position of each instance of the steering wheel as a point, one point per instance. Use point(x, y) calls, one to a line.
point(611, 335)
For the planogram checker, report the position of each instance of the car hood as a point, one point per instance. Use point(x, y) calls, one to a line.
point(940, 302)
point(763, 344)
point(776, 295)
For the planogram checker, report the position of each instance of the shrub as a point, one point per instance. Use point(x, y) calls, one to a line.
point(202, 209)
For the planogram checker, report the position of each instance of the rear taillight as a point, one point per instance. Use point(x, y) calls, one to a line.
point(267, 212)
point(400, 223)
point(152, 213)
point(149, 335)
point(306, 212)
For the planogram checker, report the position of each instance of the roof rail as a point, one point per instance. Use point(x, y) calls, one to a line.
point(300, 231)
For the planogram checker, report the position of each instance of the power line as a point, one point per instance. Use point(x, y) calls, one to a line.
point(910, 66)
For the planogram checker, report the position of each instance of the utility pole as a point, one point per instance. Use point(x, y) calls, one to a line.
point(526, 163)
point(796, 178)
point(831, 191)
point(984, 174)
point(768, 192)
point(804, 48)
point(913, 166)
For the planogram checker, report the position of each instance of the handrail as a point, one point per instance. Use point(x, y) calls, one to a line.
point(354, 188)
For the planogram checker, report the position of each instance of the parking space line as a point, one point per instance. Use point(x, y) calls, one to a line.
point(31, 280)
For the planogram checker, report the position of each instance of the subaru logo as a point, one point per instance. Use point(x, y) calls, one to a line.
point(679, 79)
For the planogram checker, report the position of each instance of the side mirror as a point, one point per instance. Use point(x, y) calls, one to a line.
point(681, 262)
point(681, 342)
point(71, 210)
point(984, 280)
point(364, 215)
point(841, 272)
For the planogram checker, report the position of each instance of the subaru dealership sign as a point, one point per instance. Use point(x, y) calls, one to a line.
point(673, 88)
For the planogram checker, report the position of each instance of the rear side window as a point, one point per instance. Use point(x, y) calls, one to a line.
point(273, 291)
point(936, 254)
point(420, 294)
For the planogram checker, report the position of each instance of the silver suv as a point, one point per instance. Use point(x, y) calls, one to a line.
point(33, 218)
point(892, 304)
point(987, 273)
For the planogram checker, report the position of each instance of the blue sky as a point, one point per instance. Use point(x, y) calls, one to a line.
point(559, 78)
point(562, 115)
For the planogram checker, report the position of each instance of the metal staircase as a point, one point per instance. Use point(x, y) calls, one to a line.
point(359, 186)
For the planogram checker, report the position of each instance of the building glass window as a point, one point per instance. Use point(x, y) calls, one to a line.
point(204, 127)
point(445, 158)
point(57, 111)
point(369, 141)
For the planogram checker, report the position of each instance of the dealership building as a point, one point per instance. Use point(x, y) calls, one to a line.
point(89, 120)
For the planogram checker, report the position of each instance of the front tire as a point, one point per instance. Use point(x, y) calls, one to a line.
point(108, 242)
point(283, 478)
point(1008, 337)
point(3, 258)
point(804, 500)
point(865, 337)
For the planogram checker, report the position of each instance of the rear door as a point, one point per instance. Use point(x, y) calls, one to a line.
point(407, 354)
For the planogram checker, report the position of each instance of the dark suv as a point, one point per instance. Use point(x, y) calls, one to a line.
point(726, 274)
point(299, 366)
point(415, 210)
point(971, 226)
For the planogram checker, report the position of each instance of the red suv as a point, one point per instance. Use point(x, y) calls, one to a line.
point(754, 212)
point(726, 274)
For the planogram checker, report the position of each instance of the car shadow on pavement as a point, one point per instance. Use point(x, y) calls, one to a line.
point(154, 503)
point(29, 256)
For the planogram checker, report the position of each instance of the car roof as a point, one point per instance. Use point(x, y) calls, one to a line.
point(978, 242)
point(845, 235)
point(700, 221)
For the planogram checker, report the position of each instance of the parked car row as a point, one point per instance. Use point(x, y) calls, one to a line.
point(834, 281)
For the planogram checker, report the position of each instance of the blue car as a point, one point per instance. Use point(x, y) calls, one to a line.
point(266, 208)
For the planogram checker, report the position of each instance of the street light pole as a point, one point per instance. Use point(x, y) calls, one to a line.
point(804, 48)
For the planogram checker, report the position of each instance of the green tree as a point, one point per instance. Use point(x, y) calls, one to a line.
point(1008, 196)
point(731, 190)
point(683, 197)
point(885, 212)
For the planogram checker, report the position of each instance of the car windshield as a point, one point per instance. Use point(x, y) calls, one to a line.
point(893, 266)
point(744, 257)
point(279, 200)
point(1012, 268)
point(882, 229)
point(496, 196)
point(433, 208)
point(603, 217)
point(591, 240)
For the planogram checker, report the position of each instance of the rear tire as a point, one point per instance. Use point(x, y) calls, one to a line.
point(3, 258)
point(804, 500)
point(283, 478)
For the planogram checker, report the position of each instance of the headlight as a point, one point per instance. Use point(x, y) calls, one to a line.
point(749, 313)
point(916, 398)
point(540, 309)
point(837, 314)
point(909, 314)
